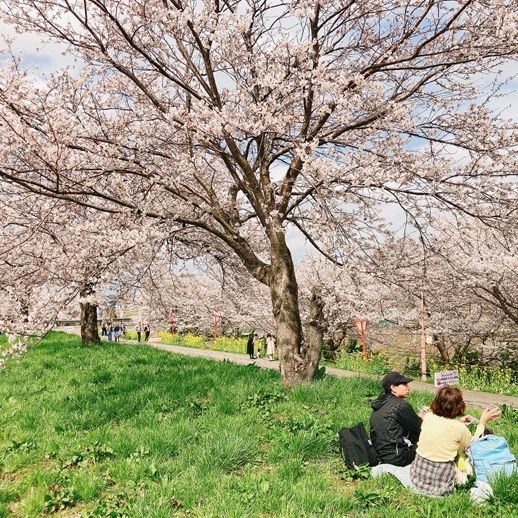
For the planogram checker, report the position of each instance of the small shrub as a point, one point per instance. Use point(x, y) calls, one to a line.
point(362, 473)
point(500, 380)
point(491, 379)
point(188, 340)
point(353, 346)
point(169, 338)
point(229, 344)
point(90, 455)
point(130, 335)
point(263, 399)
point(377, 364)
point(371, 499)
point(59, 498)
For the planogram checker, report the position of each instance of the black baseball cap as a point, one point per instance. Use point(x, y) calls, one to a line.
point(394, 378)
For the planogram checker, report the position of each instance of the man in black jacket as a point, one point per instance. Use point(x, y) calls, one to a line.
point(395, 427)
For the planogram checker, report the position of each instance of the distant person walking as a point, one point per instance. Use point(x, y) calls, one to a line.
point(138, 330)
point(270, 346)
point(147, 331)
point(104, 329)
point(117, 332)
point(109, 332)
point(250, 346)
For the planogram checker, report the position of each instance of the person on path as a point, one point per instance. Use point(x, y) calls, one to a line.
point(104, 329)
point(270, 346)
point(109, 332)
point(116, 332)
point(394, 425)
point(138, 329)
point(147, 331)
point(250, 346)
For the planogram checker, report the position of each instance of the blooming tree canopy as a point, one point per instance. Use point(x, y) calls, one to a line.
point(201, 299)
point(53, 254)
point(239, 119)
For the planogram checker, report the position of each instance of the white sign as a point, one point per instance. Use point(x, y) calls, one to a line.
point(446, 378)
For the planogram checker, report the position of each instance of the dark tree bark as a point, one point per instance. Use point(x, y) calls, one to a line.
point(440, 343)
point(335, 342)
point(298, 357)
point(89, 330)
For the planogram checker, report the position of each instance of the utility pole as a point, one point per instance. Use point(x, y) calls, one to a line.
point(423, 340)
point(216, 324)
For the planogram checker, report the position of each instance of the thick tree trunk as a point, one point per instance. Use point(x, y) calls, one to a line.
point(298, 363)
point(314, 332)
point(89, 331)
point(335, 342)
point(439, 342)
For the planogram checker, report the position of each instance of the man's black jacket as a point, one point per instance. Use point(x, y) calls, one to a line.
point(393, 420)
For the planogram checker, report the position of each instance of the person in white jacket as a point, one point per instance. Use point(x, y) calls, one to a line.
point(270, 346)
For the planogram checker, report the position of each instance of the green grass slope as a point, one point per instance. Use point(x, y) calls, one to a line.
point(127, 431)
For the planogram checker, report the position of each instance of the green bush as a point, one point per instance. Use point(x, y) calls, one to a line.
point(221, 343)
point(230, 345)
point(489, 379)
point(130, 335)
point(500, 380)
point(377, 364)
point(187, 340)
point(190, 340)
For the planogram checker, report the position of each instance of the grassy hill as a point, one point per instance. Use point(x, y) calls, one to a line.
point(121, 430)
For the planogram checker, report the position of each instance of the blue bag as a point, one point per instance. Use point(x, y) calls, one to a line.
point(490, 456)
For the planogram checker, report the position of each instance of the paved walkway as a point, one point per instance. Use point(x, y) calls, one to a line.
point(473, 398)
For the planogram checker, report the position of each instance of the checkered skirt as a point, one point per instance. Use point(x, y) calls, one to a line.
point(432, 478)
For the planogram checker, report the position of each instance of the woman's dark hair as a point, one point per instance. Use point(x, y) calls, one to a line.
point(448, 403)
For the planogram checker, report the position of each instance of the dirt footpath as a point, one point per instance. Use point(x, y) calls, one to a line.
point(473, 398)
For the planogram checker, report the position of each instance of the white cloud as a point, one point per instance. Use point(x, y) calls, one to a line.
point(46, 56)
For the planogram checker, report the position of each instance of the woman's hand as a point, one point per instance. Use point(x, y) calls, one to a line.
point(489, 415)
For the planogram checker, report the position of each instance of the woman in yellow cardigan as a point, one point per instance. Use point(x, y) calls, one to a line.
point(442, 438)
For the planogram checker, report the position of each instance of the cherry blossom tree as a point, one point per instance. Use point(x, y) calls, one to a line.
point(188, 299)
point(54, 255)
point(474, 274)
point(240, 119)
point(465, 276)
point(183, 282)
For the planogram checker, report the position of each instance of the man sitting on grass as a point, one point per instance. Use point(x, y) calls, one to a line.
point(395, 426)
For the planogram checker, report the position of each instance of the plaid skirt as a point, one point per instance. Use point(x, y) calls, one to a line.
point(432, 478)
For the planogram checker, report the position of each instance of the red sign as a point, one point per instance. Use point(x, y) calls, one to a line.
point(361, 324)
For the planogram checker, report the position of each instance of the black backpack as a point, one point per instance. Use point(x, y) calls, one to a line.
point(356, 447)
